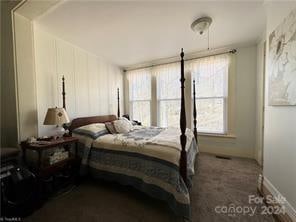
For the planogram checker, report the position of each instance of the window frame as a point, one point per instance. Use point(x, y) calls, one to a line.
point(225, 115)
point(226, 107)
point(131, 101)
point(228, 99)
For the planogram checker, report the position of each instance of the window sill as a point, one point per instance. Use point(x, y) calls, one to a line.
point(231, 136)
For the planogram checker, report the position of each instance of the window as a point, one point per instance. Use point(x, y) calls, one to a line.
point(168, 94)
point(140, 95)
point(211, 78)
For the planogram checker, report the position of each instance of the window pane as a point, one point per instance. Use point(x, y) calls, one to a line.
point(169, 113)
point(139, 84)
point(141, 112)
point(168, 81)
point(210, 115)
point(210, 75)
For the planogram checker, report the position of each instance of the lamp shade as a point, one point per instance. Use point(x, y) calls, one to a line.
point(56, 116)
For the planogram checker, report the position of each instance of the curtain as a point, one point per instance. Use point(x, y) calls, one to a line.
point(211, 76)
point(168, 94)
point(211, 83)
point(139, 82)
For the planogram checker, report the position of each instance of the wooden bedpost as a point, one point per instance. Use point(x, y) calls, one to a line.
point(194, 113)
point(63, 92)
point(183, 138)
point(118, 104)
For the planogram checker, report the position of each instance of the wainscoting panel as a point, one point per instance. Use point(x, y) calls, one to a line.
point(66, 68)
point(91, 82)
point(81, 83)
point(45, 68)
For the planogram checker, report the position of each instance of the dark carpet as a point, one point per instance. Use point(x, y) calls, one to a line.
point(218, 183)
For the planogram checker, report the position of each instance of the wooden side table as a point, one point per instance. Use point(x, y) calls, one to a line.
point(40, 146)
point(43, 170)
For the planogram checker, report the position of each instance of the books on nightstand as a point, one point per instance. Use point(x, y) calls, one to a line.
point(59, 155)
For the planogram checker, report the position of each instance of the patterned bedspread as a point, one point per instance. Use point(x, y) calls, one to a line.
point(145, 158)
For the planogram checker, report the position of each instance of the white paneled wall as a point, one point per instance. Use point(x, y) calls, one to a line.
point(25, 79)
point(91, 82)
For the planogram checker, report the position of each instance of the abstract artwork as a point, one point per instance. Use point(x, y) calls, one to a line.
point(282, 63)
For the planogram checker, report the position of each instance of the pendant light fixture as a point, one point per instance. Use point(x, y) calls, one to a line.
point(201, 25)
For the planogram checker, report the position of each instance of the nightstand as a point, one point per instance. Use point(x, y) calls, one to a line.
point(51, 175)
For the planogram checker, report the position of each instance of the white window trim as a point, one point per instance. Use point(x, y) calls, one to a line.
point(230, 136)
point(225, 116)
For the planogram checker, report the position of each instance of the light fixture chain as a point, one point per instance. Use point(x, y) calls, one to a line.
point(208, 38)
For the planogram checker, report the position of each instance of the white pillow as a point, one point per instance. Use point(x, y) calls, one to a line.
point(92, 130)
point(94, 126)
point(122, 126)
point(125, 119)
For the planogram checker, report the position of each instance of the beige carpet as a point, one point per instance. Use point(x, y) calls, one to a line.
point(218, 182)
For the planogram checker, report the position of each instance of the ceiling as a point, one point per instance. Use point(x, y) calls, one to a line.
point(32, 9)
point(128, 33)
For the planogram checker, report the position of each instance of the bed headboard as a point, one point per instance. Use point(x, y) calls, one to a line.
point(82, 121)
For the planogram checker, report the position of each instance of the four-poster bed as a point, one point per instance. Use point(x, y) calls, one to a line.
point(118, 103)
point(183, 158)
point(167, 171)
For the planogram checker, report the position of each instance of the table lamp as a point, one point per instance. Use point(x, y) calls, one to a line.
point(57, 116)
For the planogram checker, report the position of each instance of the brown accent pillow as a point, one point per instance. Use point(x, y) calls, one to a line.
point(110, 127)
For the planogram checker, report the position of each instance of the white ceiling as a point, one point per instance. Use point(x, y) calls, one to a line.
point(32, 9)
point(128, 33)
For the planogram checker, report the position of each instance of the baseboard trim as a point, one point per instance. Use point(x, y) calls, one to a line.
point(209, 151)
point(266, 188)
